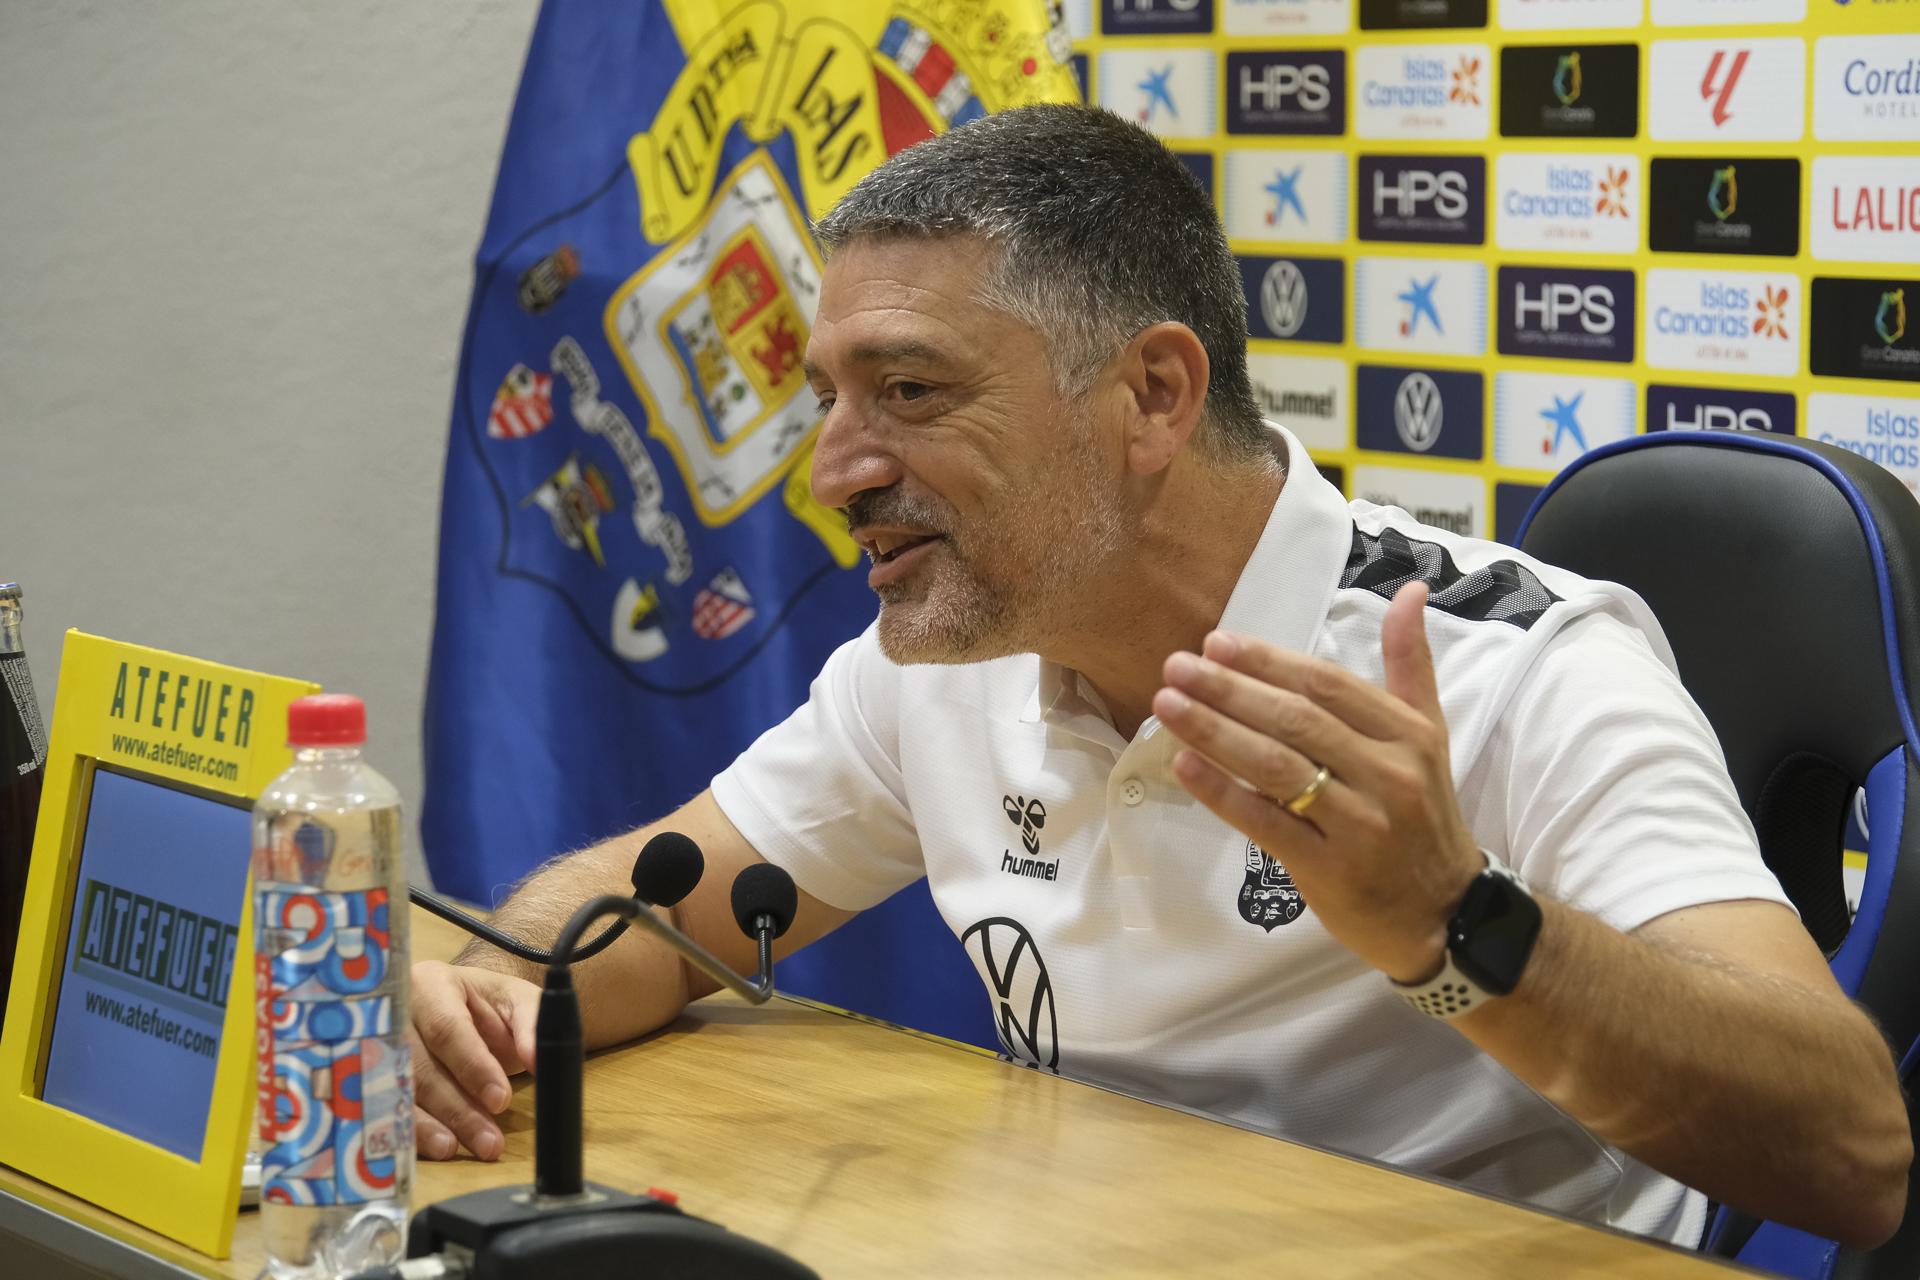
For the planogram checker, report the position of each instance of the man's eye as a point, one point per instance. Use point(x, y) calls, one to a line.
point(824, 406)
point(912, 390)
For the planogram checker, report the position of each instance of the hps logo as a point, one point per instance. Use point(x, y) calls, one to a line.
point(1302, 93)
point(1567, 314)
point(1717, 409)
point(1429, 199)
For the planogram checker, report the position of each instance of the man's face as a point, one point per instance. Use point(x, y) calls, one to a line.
point(984, 501)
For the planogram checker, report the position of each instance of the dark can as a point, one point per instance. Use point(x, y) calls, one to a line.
point(23, 754)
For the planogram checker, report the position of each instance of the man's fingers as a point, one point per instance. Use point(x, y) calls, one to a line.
point(441, 1098)
point(445, 1025)
point(431, 1138)
point(496, 1029)
point(1272, 768)
point(1365, 707)
point(1403, 644)
point(1282, 714)
point(1268, 825)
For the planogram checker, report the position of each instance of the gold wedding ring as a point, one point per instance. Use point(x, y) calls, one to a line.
point(1304, 801)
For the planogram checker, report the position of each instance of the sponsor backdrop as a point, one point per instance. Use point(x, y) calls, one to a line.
point(1689, 213)
point(634, 578)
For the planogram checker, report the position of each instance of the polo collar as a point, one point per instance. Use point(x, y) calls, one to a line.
point(1282, 595)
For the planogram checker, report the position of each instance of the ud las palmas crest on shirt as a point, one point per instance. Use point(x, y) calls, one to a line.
point(1267, 894)
point(646, 422)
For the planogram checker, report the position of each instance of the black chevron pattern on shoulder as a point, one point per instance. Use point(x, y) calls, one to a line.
point(1504, 591)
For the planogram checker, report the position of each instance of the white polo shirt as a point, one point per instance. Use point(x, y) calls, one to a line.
point(1131, 939)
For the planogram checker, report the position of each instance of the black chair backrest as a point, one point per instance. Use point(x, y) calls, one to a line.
point(1786, 575)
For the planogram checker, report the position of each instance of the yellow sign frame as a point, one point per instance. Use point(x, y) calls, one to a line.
point(192, 1201)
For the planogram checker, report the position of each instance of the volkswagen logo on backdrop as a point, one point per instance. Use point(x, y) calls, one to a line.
point(1283, 299)
point(1418, 412)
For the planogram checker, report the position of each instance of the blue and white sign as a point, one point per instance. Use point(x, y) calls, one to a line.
point(1286, 17)
point(1433, 305)
point(1866, 88)
point(1882, 429)
point(1171, 92)
point(1674, 408)
point(1581, 203)
point(1294, 299)
point(1423, 91)
point(1543, 421)
point(1723, 321)
point(1286, 195)
point(1438, 412)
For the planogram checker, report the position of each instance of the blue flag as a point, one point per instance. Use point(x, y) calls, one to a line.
point(634, 578)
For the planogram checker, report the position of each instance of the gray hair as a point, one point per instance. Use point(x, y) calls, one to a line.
point(1101, 232)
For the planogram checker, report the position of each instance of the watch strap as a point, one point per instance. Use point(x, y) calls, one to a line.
point(1450, 992)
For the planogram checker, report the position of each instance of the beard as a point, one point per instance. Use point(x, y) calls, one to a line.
point(1010, 580)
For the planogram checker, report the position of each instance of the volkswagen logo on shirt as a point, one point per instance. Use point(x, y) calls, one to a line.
point(1418, 411)
point(1021, 990)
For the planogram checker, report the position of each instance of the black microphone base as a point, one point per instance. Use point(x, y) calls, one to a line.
point(508, 1233)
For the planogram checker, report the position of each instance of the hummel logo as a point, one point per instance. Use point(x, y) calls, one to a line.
point(1029, 816)
point(1719, 94)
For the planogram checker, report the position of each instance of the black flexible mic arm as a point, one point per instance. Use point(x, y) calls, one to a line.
point(480, 929)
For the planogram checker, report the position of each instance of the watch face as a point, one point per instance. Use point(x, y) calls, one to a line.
point(1493, 933)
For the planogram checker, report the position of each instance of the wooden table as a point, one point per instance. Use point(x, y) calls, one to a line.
point(864, 1150)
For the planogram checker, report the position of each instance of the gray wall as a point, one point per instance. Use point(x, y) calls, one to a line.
point(236, 241)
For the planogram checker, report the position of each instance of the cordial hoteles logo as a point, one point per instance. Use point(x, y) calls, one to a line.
point(1294, 299)
point(1866, 208)
point(1303, 93)
point(1286, 17)
point(1717, 409)
point(1434, 305)
point(1882, 429)
point(1566, 314)
point(1156, 17)
point(1863, 329)
point(1546, 420)
point(1433, 199)
point(1723, 321)
point(1866, 88)
point(1431, 411)
point(1285, 195)
point(1583, 203)
point(1422, 91)
point(1383, 15)
point(1441, 499)
point(1305, 394)
point(1724, 205)
point(1169, 91)
point(1717, 90)
point(1570, 91)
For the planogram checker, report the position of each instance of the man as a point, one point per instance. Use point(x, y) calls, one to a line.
point(1161, 716)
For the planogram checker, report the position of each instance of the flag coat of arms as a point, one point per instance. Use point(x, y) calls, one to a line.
point(634, 578)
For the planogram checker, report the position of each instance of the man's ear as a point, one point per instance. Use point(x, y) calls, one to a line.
point(1164, 370)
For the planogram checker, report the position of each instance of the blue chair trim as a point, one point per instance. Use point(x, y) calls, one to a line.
point(1886, 815)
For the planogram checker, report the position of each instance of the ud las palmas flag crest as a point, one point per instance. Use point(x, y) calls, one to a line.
point(634, 580)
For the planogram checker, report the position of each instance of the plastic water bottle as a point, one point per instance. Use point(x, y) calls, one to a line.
point(330, 931)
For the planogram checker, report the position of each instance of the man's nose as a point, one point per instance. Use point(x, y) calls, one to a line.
point(849, 458)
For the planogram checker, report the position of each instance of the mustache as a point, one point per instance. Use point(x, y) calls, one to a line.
point(891, 506)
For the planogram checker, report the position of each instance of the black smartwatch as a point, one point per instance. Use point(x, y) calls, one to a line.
point(1488, 942)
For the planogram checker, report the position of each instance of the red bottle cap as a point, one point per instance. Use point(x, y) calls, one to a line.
point(326, 720)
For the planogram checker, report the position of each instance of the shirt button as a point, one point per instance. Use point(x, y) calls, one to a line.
point(1133, 791)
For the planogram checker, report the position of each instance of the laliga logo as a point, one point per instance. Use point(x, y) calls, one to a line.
point(1719, 93)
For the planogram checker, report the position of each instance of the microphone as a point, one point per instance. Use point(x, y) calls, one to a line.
point(764, 903)
point(668, 868)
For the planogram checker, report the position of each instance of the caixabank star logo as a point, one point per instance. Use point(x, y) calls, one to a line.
point(633, 383)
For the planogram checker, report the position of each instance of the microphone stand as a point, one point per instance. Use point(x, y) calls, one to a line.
point(564, 1225)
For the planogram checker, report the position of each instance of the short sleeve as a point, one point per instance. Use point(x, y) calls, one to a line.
point(821, 794)
point(1617, 795)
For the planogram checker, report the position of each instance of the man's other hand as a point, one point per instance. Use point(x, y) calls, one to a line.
point(472, 1029)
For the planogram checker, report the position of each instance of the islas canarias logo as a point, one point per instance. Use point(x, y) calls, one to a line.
point(639, 399)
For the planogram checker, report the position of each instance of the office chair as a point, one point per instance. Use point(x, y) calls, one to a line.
point(1786, 574)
